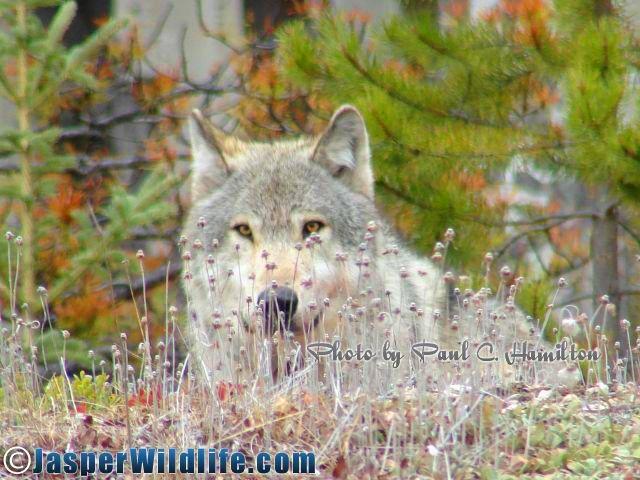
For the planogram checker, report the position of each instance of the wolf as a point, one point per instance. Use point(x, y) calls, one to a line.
point(283, 243)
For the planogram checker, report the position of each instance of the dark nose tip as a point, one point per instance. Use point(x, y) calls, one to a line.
point(280, 305)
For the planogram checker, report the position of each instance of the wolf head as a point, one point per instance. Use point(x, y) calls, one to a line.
point(272, 224)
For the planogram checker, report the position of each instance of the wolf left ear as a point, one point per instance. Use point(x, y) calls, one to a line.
point(343, 149)
point(212, 151)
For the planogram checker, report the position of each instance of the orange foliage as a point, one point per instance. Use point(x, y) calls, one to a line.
point(568, 239)
point(158, 150)
point(79, 311)
point(177, 107)
point(457, 9)
point(470, 181)
point(273, 106)
point(66, 201)
point(53, 254)
point(558, 131)
point(547, 96)
point(163, 83)
point(100, 21)
point(524, 8)
point(529, 16)
point(242, 64)
point(265, 76)
point(73, 100)
point(10, 68)
point(357, 16)
point(406, 71)
point(104, 71)
point(160, 85)
point(309, 8)
point(554, 206)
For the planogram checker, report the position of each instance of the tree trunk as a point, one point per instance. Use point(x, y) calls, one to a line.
point(605, 253)
point(606, 275)
point(27, 268)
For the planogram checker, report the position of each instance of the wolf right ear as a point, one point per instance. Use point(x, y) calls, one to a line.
point(343, 149)
point(211, 149)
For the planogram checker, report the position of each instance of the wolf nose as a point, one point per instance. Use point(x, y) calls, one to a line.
point(280, 305)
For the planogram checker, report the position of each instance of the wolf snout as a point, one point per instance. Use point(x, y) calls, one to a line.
point(279, 305)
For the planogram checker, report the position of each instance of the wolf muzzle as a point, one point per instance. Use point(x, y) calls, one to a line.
point(278, 305)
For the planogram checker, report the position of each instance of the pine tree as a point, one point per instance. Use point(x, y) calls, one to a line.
point(451, 107)
point(38, 202)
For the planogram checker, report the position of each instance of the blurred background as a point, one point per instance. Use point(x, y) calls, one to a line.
point(515, 122)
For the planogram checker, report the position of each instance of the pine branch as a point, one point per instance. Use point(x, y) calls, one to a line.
point(473, 155)
point(541, 229)
point(401, 194)
point(107, 164)
point(565, 217)
point(86, 167)
point(632, 233)
point(536, 253)
point(154, 234)
point(592, 296)
point(411, 103)
point(80, 132)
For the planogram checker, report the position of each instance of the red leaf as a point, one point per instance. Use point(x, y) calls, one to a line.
point(144, 398)
point(226, 390)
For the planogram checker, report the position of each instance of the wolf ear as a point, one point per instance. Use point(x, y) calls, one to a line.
point(343, 149)
point(211, 149)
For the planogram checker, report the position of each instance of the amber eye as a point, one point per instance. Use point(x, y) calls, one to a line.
point(244, 230)
point(311, 227)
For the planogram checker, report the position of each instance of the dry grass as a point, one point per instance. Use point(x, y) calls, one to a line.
point(453, 422)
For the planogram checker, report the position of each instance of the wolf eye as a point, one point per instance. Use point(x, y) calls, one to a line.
point(311, 227)
point(244, 230)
